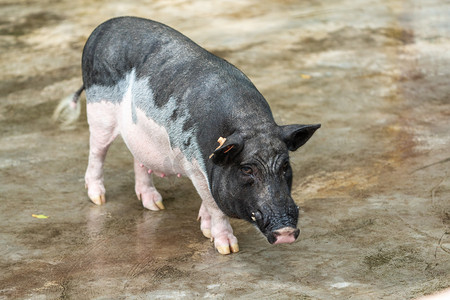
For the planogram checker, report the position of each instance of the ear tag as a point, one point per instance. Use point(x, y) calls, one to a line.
point(221, 141)
point(228, 148)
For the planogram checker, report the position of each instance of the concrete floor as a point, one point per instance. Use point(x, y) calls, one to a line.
point(373, 183)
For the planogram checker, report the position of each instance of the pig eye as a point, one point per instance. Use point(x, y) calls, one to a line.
point(247, 170)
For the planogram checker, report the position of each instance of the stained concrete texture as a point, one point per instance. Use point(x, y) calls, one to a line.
point(373, 184)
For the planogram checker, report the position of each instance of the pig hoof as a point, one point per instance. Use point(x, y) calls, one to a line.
point(96, 191)
point(227, 244)
point(234, 248)
point(207, 233)
point(160, 205)
point(151, 200)
point(224, 250)
point(99, 200)
point(152, 205)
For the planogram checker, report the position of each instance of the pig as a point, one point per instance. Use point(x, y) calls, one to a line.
point(183, 111)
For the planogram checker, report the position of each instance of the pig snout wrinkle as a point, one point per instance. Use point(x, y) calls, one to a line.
point(285, 235)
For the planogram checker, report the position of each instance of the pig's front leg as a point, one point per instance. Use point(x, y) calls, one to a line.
point(205, 221)
point(221, 232)
point(214, 224)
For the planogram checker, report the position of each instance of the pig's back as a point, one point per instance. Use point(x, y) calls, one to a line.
point(121, 44)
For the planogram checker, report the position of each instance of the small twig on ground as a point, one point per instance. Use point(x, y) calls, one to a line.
point(433, 190)
point(433, 164)
point(445, 249)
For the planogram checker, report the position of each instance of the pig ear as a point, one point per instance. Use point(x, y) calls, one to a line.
point(296, 136)
point(228, 150)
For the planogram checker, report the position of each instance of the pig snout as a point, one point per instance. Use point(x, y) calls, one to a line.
point(286, 235)
point(278, 228)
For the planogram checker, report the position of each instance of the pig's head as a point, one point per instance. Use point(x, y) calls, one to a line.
point(251, 179)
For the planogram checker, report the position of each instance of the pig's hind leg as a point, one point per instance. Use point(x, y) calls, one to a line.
point(103, 130)
point(145, 190)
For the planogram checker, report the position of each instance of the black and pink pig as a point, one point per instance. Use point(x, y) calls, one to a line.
point(184, 111)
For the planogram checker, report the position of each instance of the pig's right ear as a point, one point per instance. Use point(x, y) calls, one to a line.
point(228, 148)
point(296, 136)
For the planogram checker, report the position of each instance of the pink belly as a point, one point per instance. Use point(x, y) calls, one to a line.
point(149, 143)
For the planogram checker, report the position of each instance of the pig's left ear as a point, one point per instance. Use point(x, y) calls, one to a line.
point(228, 149)
point(296, 136)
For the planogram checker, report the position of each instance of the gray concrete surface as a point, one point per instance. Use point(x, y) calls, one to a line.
point(373, 183)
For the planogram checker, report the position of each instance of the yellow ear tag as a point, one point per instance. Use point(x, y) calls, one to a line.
point(221, 141)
